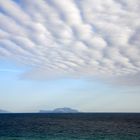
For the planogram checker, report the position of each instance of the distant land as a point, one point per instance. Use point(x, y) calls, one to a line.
point(4, 111)
point(60, 110)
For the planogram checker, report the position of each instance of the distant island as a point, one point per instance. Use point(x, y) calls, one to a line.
point(56, 110)
point(60, 110)
point(4, 111)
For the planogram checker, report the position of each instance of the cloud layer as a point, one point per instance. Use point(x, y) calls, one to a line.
point(83, 38)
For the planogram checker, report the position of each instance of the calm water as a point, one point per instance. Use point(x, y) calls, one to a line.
point(70, 126)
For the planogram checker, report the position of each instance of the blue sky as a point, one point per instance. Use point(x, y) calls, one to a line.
point(22, 95)
point(86, 56)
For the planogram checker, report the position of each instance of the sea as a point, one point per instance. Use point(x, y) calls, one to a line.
point(78, 126)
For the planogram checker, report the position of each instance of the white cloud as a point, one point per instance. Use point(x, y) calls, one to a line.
point(72, 38)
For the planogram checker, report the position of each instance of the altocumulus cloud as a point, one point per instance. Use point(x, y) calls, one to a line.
point(83, 38)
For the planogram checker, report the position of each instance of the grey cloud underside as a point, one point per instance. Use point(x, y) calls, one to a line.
point(72, 38)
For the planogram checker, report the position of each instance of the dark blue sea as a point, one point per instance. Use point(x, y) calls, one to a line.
point(81, 126)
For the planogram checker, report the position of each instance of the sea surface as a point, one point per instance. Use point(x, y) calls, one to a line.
point(81, 126)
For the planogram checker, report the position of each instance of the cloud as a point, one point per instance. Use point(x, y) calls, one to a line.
point(128, 80)
point(84, 38)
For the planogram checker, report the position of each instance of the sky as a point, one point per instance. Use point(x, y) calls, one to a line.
point(79, 54)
